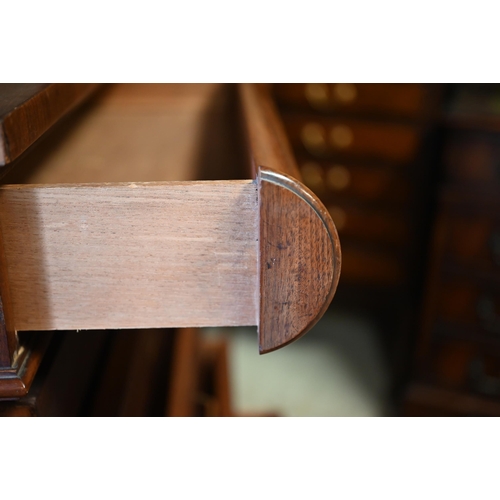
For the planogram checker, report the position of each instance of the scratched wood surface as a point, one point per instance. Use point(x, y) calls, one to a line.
point(150, 255)
point(299, 248)
point(299, 261)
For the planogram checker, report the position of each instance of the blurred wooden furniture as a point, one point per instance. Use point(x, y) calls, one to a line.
point(458, 356)
point(115, 220)
point(366, 150)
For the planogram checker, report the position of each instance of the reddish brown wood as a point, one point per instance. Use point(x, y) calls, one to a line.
point(27, 111)
point(184, 375)
point(429, 401)
point(385, 99)
point(299, 262)
point(266, 138)
point(349, 138)
point(16, 380)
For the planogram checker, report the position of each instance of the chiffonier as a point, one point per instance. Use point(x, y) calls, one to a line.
point(367, 151)
point(457, 359)
point(130, 216)
point(410, 174)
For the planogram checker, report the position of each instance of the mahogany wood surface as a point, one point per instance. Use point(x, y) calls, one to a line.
point(266, 139)
point(27, 111)
point(163, 254)
point(299, 258)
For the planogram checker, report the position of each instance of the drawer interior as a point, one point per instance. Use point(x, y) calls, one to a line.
point(141, 133)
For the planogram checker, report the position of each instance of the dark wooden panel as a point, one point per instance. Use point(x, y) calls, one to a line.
point(333, 181)
point(185, 375)
point(365, 224)
point(363, 266)
point(385, 99)
point(27, 111)
point(428, 401)
point(362, 140)
point(463, 365)
point(470, 302)
point(472, 157)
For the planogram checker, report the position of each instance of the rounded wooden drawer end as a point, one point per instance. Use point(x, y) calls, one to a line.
point(300, 260)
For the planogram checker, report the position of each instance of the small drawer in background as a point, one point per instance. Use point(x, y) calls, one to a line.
point(334, 138)
point(405, 100)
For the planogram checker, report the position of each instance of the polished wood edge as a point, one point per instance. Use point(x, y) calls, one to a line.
point(271, 340)
point(9, 343)
point(265, 134)
point(28, 121)
point(287, 308)
point(16, 381)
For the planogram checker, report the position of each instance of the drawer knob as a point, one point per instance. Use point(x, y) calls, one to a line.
point(341, 137)
point(338, 178)
point(313, 137)
point(345, 93)
point(312, 173)
point(317, 95)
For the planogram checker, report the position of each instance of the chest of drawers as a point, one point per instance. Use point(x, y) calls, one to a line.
point(154, 206)
point(458, 351)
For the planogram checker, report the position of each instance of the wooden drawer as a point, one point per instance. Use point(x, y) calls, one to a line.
point(143, 211)
point(333, 181)
point(362, 140)
point(380, 99)
point(472, 157)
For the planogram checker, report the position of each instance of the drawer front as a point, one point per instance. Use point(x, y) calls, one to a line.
point(474, 242)
point(381, 227)
point(465, 366)
point(472, 305)
point(332, 181)
point(332, 138)
point(383, 99)
point(472, 157)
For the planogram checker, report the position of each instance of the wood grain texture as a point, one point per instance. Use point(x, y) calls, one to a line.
point(151, 255)
point(140, 133)
point(300, 260)
point(266, 138)
point(27, 111)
